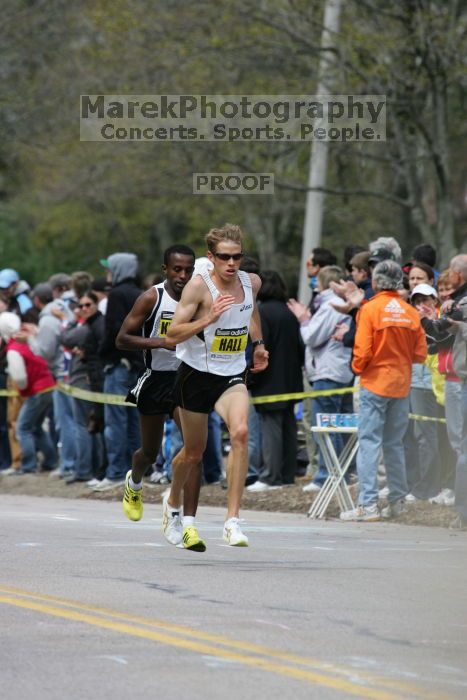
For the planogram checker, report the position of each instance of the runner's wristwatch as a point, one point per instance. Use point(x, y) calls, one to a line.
point(255, 343)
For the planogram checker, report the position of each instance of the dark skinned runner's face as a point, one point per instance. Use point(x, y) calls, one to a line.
point(179, 271)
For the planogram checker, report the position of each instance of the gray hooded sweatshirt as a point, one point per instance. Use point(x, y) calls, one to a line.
point(47, 342)
point(122, 296)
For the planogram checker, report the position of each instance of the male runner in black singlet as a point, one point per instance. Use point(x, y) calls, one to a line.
point(145, 328)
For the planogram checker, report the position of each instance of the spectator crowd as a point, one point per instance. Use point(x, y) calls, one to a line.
point(391, 333)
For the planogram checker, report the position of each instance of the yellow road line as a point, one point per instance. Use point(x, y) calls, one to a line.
point(198, 634)
point(201, 648)
point(353, 687)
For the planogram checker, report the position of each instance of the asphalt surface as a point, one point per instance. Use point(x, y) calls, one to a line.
point(94, 606)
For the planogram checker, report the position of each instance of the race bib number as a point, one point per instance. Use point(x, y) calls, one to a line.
point(228, 341)
point(164, 323)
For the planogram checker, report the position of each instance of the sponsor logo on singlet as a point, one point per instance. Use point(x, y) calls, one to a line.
point(246, 307)
point(230, 340)
point(164, 323)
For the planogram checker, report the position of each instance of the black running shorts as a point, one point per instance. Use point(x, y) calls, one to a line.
point(153, 393)
point(199, 391)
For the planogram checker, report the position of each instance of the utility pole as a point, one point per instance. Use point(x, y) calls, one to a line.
point(319, 149)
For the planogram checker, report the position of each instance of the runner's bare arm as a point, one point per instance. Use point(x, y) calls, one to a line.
point(260, 354)
point(183, 326)
point(129, 336)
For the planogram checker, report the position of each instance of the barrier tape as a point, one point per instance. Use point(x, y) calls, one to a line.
point(84, 394)
point(12, 392)
point(414, 416)
point(303, 395)
point(94, 396)
point(329, 392)
point(119, 400)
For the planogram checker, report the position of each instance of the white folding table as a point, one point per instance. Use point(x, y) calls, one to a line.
point(337, 466)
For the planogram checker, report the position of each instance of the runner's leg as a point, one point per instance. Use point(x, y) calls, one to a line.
point(232, 406)
point(193, 482)
point(195, 433)
point(152, 431)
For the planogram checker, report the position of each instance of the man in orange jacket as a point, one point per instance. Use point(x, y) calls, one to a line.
point(389, 339)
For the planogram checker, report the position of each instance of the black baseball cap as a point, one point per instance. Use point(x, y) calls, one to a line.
point(379, 255)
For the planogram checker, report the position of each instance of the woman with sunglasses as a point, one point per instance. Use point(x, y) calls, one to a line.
point(86, 372)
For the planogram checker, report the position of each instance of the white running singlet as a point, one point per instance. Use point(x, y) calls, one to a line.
point(156, 326)
point(220, 348)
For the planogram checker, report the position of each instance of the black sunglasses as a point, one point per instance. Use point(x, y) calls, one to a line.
point(226, 256)
point(84, 306)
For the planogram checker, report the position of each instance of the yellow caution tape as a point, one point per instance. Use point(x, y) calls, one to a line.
point(94, 396)
point(414, 416)
point(119, 400)
point(77, 393)
point(303, 395)
point(12, 392)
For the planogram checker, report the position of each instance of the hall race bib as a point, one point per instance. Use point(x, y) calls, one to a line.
point(229, 341)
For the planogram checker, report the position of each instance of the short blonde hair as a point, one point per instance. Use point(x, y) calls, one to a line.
point(330, 273)
point(228, 232)
point(444, 278)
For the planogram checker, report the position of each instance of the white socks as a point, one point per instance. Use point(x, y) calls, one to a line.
point(135, 487)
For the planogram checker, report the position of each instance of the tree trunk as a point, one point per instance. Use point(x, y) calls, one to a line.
point(319, 149)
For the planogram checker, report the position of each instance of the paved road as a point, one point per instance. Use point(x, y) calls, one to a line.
point(93, 606)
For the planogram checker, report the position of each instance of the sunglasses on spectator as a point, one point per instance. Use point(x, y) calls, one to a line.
point(226, 256)
point(84, 306)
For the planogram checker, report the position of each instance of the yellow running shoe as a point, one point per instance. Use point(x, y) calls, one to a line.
point(132, 500)
point(192, 540)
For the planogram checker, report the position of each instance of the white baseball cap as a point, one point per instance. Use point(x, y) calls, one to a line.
point(425, 290)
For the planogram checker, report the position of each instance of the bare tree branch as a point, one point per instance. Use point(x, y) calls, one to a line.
point(345, 192)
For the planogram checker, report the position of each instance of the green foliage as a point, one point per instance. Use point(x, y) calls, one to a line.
point(67, 203)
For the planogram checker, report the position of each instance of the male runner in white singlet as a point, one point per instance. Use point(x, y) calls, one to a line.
point(210, 328)
point(145, 328)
